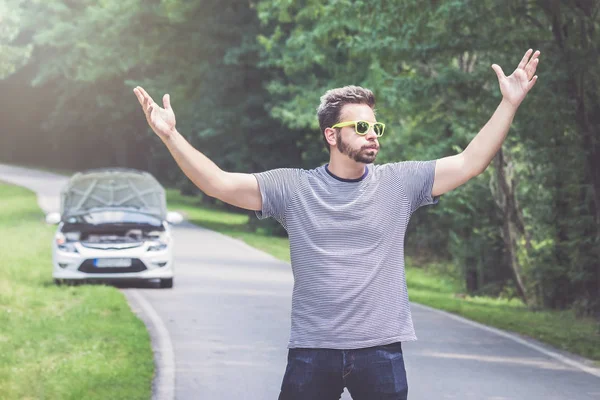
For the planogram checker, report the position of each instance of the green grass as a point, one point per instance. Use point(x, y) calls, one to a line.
point(228, 223)
point(429, 287)
point(68, 342)
point(561, 329)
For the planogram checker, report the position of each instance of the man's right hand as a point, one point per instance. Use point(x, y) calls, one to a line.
point(240, 190)
point(161, 120)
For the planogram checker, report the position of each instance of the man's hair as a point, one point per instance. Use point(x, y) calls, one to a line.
point(333, 100)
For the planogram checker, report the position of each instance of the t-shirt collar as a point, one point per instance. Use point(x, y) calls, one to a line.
point(347, 180)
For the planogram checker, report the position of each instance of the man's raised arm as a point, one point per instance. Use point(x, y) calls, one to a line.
point(240, 190)
point(453, 171)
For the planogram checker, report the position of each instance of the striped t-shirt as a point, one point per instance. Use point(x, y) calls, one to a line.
point(347, 250)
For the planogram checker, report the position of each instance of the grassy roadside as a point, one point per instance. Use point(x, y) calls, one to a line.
point(560, 329)
point(80, 342)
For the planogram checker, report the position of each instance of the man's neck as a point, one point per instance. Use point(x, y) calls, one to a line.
point(346, 169)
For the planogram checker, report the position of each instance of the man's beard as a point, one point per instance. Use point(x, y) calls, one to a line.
point(362, 155)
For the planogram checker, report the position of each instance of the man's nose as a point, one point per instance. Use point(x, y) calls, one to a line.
point(371, 135)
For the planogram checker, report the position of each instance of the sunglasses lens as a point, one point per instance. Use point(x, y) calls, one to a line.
point(378, 128)
point(362, 127)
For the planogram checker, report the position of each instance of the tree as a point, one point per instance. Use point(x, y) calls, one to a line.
point(431, 71)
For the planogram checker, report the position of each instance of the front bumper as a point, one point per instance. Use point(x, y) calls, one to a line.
point(144, 275)
point(145, 265)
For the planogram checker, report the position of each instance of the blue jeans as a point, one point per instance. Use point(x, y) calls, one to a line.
point(373, 373)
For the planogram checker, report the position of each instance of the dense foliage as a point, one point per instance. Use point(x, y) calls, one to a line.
point(245, 79)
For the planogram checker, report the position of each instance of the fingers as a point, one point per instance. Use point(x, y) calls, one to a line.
point(532, 65)
point(167, 102)
point(145, 95)
point(535, 56)
point(149, 109)
point(532, 82)
point(525, 58)
point(498, 71)
point(139, 96)
point(146, 102)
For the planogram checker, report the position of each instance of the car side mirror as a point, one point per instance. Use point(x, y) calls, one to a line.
point(53, 218)
point(173, 217)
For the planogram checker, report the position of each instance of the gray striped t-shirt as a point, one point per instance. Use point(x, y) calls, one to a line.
point(347, 250)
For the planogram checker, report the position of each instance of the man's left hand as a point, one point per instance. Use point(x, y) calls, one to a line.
point(515, 87)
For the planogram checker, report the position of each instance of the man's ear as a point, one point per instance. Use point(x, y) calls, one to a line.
point(330, 136)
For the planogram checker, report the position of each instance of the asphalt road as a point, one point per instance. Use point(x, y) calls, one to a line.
point(226, 325)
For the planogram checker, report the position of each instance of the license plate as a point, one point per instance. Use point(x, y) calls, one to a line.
point(112, 262)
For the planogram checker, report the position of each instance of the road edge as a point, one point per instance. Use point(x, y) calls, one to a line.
point(163, 383)
point(527, 343)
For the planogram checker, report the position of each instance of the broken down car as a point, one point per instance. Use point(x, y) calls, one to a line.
point(113, 225)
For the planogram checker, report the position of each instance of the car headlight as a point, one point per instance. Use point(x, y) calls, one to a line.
point(161, 243)
point(64, 245)
point(157, 247)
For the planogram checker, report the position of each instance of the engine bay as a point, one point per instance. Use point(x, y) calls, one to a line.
point(130, 236)
point(114, 234)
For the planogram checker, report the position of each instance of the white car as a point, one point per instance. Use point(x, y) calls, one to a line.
point(113, 225)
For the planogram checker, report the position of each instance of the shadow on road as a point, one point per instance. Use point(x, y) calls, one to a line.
point(120, 284)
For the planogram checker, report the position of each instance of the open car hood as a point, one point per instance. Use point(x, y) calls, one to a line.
point(113, 188)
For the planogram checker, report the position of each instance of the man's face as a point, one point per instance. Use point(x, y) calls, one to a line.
point(360, 148)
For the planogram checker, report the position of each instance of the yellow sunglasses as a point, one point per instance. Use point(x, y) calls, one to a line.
point(362, 127)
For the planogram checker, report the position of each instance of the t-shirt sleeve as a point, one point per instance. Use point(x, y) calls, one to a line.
point(276, 189)
point(416, 177)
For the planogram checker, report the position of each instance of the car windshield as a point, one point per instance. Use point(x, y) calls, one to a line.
point(114, 217)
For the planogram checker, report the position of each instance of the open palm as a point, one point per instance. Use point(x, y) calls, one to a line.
point(161, 120)
point(515, 87)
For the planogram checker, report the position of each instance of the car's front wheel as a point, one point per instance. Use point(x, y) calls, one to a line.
point(166, 283)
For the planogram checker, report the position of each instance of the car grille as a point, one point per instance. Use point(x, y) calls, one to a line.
point(88, 266)
point(111, 246)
